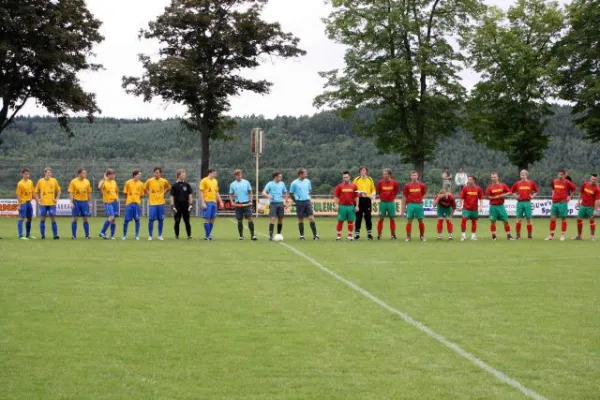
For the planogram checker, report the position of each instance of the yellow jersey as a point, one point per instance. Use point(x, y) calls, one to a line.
point(25, 190)
point(47, 189)
point(365, 185)
point(209, 189)
point(134, 191)
point(81, 189)
point(110, 191)
point(157, 189)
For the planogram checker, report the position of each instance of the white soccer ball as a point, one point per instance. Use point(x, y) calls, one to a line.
point(278, 238)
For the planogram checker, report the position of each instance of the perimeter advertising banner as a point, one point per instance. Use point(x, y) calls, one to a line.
point(10, 208)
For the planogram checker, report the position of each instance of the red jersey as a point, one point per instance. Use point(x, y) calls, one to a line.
point(561, 190)
point(414, 192)
point(470, 195)
point(346, 193)
point(524, 190)
point(388, 190)
point(496, 189)
point(589, 194)
point(448, 201)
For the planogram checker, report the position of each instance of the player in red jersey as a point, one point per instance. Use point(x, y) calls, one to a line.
point(387, 188)
point(471, 205)
point(346, 204)
point(496, 192)
point(413, 204)
point(589, 202)
point(446, 205)
point(561, 194)
point(524, 190)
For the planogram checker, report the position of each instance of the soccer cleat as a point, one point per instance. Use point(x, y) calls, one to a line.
point(439, 238)
point(494, 238)
point(463, 237)
point(31, 237)
point(316, 237)
point(422, 239)
point(473, 236)
point(450, 237)
point(103, 236)
point(350, 238)
point(370, 237)
point(23, 238)
point(112, 238)
point(408, 239)
point(254, 238)
point(357, 237)
point(86, 238)
point(150, 238)
point(509, 237)
point(43, 237)
point(518, 237)
point(338, 238)
point(160, 238)
point(562, 237)
point(550, 237)
point(137, 238)
point(189, 238)
point(302, 238)
point(124, 238)
point(529, 237)
point(593, 238)
point(577, 237)
point(378, 237)
point(270, 238)
point(394, 237)
point(241, 238)
point(176, 237)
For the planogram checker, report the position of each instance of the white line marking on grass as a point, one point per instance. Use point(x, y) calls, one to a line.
point(423, 328)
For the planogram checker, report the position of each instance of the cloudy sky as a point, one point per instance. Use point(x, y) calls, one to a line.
point(296, 82)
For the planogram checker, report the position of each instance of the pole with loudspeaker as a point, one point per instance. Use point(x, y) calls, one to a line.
point(257, 146)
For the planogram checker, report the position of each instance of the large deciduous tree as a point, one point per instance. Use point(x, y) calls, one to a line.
point(44, 44)
point(205, 46)
point(508, 109)
point(400, 64)
point(579, 58)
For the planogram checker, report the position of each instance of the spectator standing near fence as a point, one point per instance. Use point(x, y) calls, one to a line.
point(447, 179)
point(461, 179)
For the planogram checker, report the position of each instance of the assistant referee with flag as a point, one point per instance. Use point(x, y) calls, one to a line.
point(366, 191)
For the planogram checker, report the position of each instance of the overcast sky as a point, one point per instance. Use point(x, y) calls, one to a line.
point(296, 82)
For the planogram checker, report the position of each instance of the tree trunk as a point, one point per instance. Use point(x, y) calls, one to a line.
point(419, 165)
point(205, 157)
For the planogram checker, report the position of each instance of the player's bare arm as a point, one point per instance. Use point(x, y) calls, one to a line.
point(267, 195)
point(356, 204)
point(72, 200)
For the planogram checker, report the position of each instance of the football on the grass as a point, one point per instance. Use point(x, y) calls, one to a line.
point(278, 238)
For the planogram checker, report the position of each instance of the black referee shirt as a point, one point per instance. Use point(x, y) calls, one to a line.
point(181, 192)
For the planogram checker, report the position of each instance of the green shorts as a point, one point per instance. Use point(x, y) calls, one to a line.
point(470, 214)
point(414, 210)
point(560, 210)
point(444, 212)
point(346, 213)
point(524, 209)
point(498, 213)
point(387, 209)
point(585, 212)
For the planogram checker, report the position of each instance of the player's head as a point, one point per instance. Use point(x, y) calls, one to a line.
point(443, 192)
point(211, 173)
point(277, 176)
point(363, 171)
point(561, 174)
point(495, 177)
point(110, 174)
point(446, 169)
point(472, 180)
point(181, 174)
point(387, 173)
point(238, 174)
point(414, 176)
point(593, 178)
point(302, 173)
point(346, 176)
point(136, 174)
point(524, 174)
point(25, 172)
point(157, 172)
point(48, 173)
point(81, 173)
point(461, 170)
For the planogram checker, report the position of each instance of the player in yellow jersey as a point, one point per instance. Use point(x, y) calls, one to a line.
point(80, 191)
point(134, 191)
point(209, 196)
point(156, 187)
point(47, 193)
point(24, 196)
point(110, 196)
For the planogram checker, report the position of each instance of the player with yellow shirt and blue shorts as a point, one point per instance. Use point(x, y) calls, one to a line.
point(209, 196)
point(47, 193)
point(24, 196)
point(134, 191)
point(110, 196)
point(156, 187)
point(80, 193)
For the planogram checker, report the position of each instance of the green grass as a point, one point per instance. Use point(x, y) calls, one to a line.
point(241, 320)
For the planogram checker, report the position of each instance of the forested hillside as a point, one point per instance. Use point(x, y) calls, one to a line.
point(323, 143)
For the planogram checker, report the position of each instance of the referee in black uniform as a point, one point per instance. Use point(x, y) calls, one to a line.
point(181, 202)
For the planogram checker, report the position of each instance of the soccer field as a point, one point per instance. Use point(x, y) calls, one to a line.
point(300, 320)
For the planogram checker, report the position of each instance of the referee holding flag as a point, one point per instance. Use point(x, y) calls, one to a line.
point(181, 202)
point(366, 191)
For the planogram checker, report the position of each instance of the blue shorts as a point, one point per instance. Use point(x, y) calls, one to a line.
point(26, 210)
point(211, 210)
point(133, 211)
point(81, 209)
point(111, 209)
point(48, 210)
point(157, 213)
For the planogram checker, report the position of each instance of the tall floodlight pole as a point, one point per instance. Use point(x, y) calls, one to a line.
point(257, 146)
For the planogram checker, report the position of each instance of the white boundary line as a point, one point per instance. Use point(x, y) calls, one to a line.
point(423, 328)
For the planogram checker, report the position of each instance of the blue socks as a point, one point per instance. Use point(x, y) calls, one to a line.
point(113, 229)
point(105, 227)
point(207, 229)
point(43, 228)
point(160, 227)
point(74, 229)
point(86, 228)
point(150, 227)
point(125, 223)
point(20, 227)
point(28, 228)
point(137, 227)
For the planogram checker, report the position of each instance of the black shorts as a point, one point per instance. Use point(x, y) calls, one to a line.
point(243, 212)
point(304, 209)
point(276, 210)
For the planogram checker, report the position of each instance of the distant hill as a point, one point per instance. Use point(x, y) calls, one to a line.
point(323, 143)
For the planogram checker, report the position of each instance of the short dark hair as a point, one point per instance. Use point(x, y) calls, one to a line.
point(25, 170)
point(473, 177)
point(562, 171)
point(301, 170)
point(594, 175)
point(80, 170)
point(159, 169)
point(345, 173)
point(210, 171)
point(276, 174)
point(365, 168)
point(136, 172)
point(110, 171)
